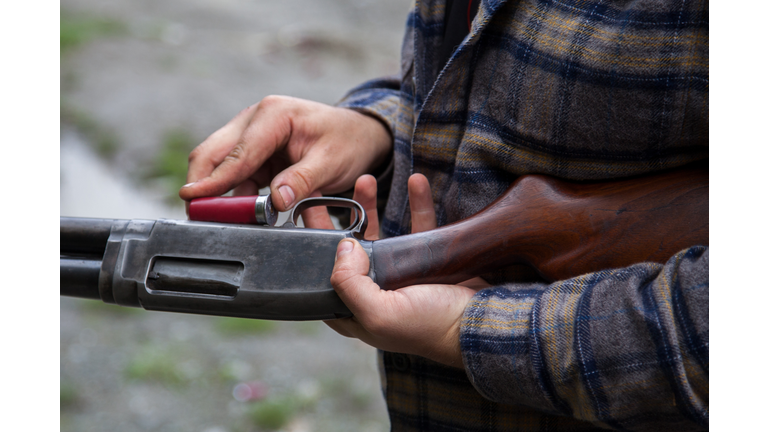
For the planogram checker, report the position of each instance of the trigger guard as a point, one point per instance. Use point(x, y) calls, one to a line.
point(358, 225)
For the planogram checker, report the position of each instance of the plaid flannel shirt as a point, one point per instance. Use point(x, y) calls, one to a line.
point(581, 90)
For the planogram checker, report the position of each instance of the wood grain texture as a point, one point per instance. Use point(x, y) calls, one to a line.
point(561, 229)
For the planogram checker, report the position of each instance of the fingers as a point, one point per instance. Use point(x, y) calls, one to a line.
point(421, 319)
point(323, 164)
point(215, 148)
point(268, 131)
point(247, 188)
point(422, 208)
point(475, 284)
point(208, 155)
point(317, 217)
point(346, 327)
point(350, 279)
point(296, 146)
point(365, 195)
point(299, 180)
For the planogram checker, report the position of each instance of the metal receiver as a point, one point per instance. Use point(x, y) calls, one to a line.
point(249, 271)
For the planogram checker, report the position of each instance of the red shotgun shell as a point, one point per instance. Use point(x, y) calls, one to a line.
point(237, 210)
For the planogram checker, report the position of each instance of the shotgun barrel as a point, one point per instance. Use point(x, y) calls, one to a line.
point(84, 236)
point(83, 242)
point(79, 277)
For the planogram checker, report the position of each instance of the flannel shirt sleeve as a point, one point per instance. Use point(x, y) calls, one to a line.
point(619, 348)
point(379, 98)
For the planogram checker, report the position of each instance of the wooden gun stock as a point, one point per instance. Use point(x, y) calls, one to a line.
point(561, 229)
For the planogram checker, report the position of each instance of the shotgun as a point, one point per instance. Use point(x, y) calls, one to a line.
point(561, 229)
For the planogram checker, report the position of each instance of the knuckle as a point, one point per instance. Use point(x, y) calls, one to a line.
point(271, 102)
point(342, 281)
point(343, 274)
point(195, 154)
point(304, 179)
point(237, 154)
point(338, 277)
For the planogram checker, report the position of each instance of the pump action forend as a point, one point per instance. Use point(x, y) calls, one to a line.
point(283, 273)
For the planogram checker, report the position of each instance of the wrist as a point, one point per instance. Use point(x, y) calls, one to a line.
point(378, 138)
point(448, 351)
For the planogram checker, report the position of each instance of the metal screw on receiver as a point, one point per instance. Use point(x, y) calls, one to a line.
point(265, 212)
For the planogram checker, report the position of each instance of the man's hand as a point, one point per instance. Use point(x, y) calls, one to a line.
point(298, 147)
point(422, 319)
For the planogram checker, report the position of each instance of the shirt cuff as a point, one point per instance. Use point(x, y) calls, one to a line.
point(379, 99)
point(496, 345)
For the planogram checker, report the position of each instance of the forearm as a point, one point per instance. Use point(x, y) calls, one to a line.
point(604, 347)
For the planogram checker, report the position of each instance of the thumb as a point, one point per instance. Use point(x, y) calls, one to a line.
point(350, 278)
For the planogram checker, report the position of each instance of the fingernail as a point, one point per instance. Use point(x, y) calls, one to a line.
point(286, 193)
point(187, 185)
point(345, 247)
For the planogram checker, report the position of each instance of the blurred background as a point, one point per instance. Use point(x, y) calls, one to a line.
point(142, 83)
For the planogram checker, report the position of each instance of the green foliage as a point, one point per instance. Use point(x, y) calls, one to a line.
point(342, 390)
point(226, 373)
point(274, 413)
point(244, 326)
point(67, 395)
point(170, 164)
point(361, 399)
point(154, 365)
point(174, 151)
point(77, 29)
point(101, 308)
point(307, 328)
point(104, 140)
point(277, 411)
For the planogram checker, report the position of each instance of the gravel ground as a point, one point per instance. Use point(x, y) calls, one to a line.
point(192, 65)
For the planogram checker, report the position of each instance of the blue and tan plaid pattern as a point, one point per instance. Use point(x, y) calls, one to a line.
point(577, 89)
point(624, 349)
